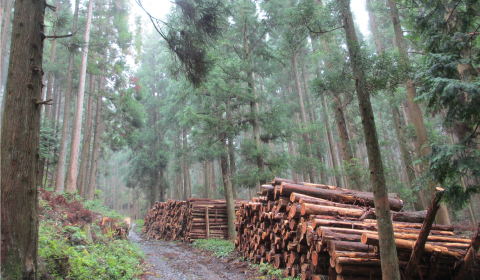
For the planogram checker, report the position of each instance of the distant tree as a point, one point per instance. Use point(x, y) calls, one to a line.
point(449, 79)
point(72, 172)
point(60, 180)
point(20, 143)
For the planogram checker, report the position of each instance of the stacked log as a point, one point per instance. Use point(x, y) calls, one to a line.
point(207, 218)
point(165, 220)
point(316, 230)
point(196, 218)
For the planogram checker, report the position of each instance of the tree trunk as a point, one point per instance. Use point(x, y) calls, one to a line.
point(231, 155)
point(20, 143)
point(388, 252)
point(57, 101)
point(442, 214)
point(162, 185)
point(71, 180)
point(406, 159)
point(328, 128)
point(402, 142)
point(50, 79)
point(352, 180)
point(313, 119)
point(227, 185)
point(96, 142)
point(303, 115)
point(206, 178)
point(87, 139)
point(185, 165)
point(135, 203)
point(213, 179)
point(291, 153)
point(6, 28)
point(62, 157)
point(114, 188)
point(254, 110)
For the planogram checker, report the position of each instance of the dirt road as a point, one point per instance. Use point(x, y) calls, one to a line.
point(180, 261)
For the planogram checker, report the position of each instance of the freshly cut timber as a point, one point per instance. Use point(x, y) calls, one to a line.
point(339, 195)
point(196, 218)
point(316, 230)
point(165, 220)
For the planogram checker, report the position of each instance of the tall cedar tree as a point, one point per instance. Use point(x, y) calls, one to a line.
point(20, 143)
point(62, 157)
point(388, 251)
point(71, 178)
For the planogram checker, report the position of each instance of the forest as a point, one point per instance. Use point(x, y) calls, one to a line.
point(103, 100)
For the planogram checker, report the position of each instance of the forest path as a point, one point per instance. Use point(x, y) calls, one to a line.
point(180, 261)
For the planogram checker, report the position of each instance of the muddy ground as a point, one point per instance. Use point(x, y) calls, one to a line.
point(180, 261)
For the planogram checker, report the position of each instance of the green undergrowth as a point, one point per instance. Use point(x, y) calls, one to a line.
point(139, 226)
point(269, 271)
point(72, 244)
point(220, 247)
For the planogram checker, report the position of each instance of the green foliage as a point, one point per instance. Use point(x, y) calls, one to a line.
point(102, 259)
point(450, 84)
point(448, 163)
point(49, 143)
point(268, 269)
point(220, 247)
point(98, 206)
point(74, 252)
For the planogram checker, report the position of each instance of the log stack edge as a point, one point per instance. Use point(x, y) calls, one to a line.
point(316, 230)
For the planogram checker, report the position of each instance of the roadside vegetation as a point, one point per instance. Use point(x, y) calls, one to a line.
point(73, 244)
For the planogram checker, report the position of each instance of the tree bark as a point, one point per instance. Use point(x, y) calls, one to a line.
point(96, 142)
point(6, 28)
point(87, 139)
point(71, 180)
point(388, 252)
point(442, 215)
point(62, 157)
point(227, 185)
point(20, 143)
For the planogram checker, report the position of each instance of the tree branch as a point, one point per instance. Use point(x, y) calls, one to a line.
point(322, 32)
point(46, 102)
point(60, 36)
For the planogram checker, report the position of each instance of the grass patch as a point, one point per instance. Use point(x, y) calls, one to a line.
point(220, 247)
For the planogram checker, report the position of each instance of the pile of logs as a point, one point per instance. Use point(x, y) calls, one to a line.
point(315, 230)
point(166, 220)
point(206, 218)
point(196, 218)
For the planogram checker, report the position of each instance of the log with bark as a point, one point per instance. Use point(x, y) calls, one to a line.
point(318, 230)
